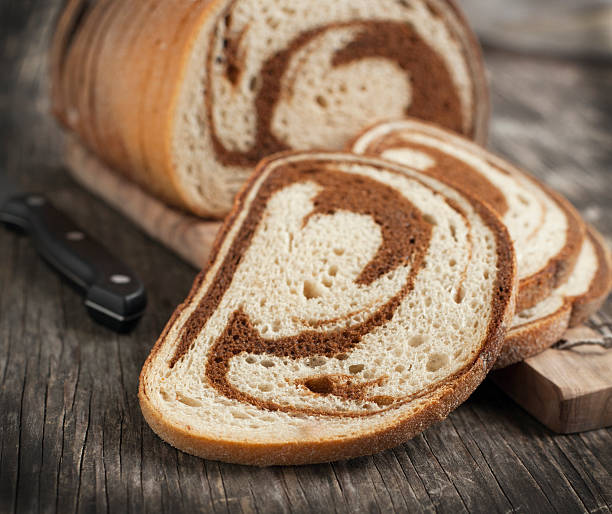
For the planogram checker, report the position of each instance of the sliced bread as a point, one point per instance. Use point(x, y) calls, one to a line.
point(536, 329)
point(546, 230)
point(348, 304)
point(185, 97)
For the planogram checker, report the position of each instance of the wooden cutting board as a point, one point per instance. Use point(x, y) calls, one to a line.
point(188, 236)
point(567, 390)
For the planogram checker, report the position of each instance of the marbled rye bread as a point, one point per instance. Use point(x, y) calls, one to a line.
point(536, 329)
point(185, 97)
point(348, 304)
point(546, 230)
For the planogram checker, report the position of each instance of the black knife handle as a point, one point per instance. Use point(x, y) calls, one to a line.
point(114, 295)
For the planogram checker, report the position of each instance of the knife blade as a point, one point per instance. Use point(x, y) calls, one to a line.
point(114, 296)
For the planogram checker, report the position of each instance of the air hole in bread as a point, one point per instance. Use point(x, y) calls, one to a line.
point(342, 356)
point(319, 385)
point(459, 295)
point(453, 231)
point(523, 200)
point(430, 219)
point(416, 341)
point(250, 359)
point(267, 364)
point(265, 388)
point(312, 289)
point(452, 263)
point(399, 368)
point(165, 395)
point(272, 23)
point(327, 282)
point(332, 271)
point(383, 401)
point(338, 251)
point(316, 361)
point(356, 368)
point(321, 101)
point(436, 361)
point(186, 400)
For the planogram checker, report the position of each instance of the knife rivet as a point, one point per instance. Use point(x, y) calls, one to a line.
point(120, 279)
point(75, 235)
point(35, 200)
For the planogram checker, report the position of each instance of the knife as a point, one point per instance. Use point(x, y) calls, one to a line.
point(114, 296)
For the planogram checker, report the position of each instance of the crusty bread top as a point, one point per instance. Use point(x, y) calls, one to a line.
point(186, 97)
point(546, 230)
point(347, 299)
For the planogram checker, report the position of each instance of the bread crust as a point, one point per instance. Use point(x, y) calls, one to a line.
point(433, 407)
point(538, 335)
point(138, 141)
point(480, 133)
point(590, 302)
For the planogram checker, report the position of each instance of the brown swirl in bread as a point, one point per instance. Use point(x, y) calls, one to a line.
point(372, 305)
point(395, 42)
point(546, 229)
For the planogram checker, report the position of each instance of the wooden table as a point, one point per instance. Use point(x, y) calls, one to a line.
point(72, 437)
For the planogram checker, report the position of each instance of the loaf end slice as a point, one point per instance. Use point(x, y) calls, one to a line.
point(348, 304)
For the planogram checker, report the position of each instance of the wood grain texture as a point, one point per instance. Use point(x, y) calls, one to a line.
point(569, 390)
point(188, 236)
point(72, 438)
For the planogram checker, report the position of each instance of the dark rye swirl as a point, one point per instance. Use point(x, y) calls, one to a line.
point(546, 230)
point(186, 97)
point(347, 305)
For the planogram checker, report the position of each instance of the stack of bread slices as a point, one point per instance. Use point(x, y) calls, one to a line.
point(364, 281)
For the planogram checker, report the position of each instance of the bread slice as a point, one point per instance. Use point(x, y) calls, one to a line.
point(546, 230)
point(186, 97)
point(538, 328)
point(347, 305)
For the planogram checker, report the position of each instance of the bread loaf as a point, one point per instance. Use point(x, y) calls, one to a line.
point(536, 329)
point(348, 304)
point(185, 97)
point(546, 230)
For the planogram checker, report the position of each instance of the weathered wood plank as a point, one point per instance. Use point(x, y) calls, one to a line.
point(71, 434)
